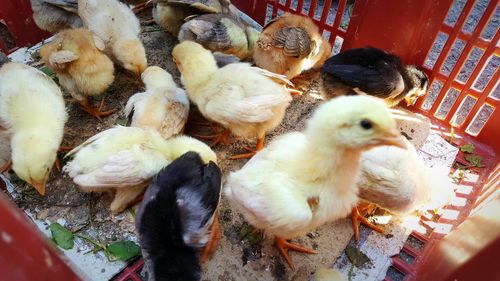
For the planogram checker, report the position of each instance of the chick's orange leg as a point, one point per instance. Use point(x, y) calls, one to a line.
point(6, 166)
point(259, 146)
point(284, 246)
point(215, 236)
point(96, 112)
point(357, 218)
point(222, 137)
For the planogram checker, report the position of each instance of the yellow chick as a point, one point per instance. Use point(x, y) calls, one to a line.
point(164, 107)
point(397, 180)
point(305, 179)
point(83, 70)
point(56, 15)
point(243, 99)
point(125, 159)
point(118, 28)
point(221, 33)
point(291, 44)
point(170, 14)
point(33, 113)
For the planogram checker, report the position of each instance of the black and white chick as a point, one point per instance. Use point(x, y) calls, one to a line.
point(177, 220)
point(374, 72)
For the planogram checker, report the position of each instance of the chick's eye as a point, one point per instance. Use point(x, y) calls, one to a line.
point(366, 124)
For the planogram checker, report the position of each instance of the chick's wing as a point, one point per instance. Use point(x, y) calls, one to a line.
point(127, 168)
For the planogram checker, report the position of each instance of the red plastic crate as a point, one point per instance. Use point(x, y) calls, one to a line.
point(17, 25)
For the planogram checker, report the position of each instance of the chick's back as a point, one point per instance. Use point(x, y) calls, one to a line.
point(89, 72)
point(238, 94)
point(34, 105)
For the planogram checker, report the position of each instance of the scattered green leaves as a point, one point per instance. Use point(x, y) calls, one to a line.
point(122, 250)
point(49, 72)
point(468, 148)
point(356, 257)
point(121, 121)
point(251, 235)
point(62, 236)
point(474, 160)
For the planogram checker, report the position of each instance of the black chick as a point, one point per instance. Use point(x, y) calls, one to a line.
point(177, 217)
point(374, 72)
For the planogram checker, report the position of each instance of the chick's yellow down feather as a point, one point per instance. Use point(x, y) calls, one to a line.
point(242, 98)
point(125, 159)
point(291, 44)
point(397, 180)
point(118, 28)
point(305, 179)
point(33, 112)
point(83, 70)
point(163, 107)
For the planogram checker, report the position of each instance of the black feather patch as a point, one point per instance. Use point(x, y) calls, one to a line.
point(161, 220)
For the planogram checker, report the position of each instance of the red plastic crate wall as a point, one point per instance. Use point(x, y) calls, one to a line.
point(17, 28)
point(410, 29)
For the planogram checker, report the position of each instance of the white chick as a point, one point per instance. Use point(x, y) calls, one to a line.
point(126, 158)
point(33, 113)
point(119, 28)
point(305, 179)
point(242, 98)
point(397, 180)
point(163, 107)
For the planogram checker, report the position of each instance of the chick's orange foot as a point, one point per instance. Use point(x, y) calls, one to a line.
point(217, 138)
point(357, 218)
point(6, 166)
point(284, 246)
point(251, 152)
point(96, 112)
point(215, 236)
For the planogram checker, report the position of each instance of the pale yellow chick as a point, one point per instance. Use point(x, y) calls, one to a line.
point(118, 28)
point(328, 274)
point(291, 44)
point(303, 180)
point(163, 107)
point(243, 99)
point(125, 159)
point(75, 55)
point(33, 113)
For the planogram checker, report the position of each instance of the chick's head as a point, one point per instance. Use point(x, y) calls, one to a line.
point(131, 54)
point(155, 77)
point(33, 157)
point(182, 144)
point(195, 63)
point(354, 122)
point(419, 83)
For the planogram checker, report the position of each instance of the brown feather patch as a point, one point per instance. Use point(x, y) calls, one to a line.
point(294, 41)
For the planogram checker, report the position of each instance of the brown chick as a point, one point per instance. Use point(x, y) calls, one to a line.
point(83, 70)
point(291, 44)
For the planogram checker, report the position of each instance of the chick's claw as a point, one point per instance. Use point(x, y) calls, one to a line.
point(284, 246)
point(96, 112)
point(215, 236)
point(357, 218)
point(217, 138)
point(6, 166)
point(251, 152)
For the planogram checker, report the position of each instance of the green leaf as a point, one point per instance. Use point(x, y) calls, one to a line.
point(122, 250)
point(468, 148)
point(48, 71)
point(474, 160)
point(121, 121)
point(356, 257)
point(62, 236)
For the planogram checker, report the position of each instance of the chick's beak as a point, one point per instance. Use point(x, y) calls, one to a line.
point(393, 138)
point(39, 186)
